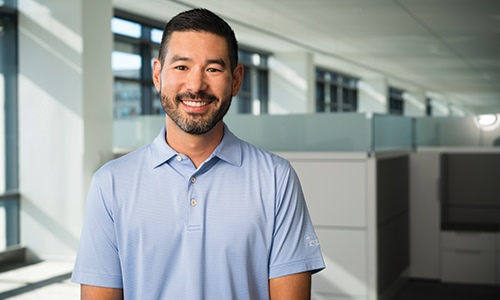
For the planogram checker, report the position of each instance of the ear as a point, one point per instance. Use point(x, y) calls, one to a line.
point(157, 74)
point(237, 79)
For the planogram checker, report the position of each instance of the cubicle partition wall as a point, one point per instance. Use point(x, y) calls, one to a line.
point(359, 205)
point(455, 213)
point(340, 194)
point(346, 132)
point(393, 241)
point(453, 204)
point(470, 191)
point(456, 132)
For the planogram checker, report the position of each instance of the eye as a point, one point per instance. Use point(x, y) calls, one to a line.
point(180, 68)
point(212, 70)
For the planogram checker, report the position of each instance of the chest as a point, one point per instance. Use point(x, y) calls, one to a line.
point(228, 209)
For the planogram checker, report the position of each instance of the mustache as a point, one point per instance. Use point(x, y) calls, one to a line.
point(200, 95)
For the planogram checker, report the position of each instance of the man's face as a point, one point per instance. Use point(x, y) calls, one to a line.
point(196, 83)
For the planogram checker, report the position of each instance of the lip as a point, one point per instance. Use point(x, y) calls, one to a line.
point(195, 103)
point(196, 106)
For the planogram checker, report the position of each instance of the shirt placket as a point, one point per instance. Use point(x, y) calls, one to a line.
point(195, 220)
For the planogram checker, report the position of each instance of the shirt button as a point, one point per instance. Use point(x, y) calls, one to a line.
point(193, 179)
point(193, 202)
point(179, 158)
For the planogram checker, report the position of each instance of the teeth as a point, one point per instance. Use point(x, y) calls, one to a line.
point(195, 103)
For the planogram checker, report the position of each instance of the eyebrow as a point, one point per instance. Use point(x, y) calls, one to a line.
point(217, 61)
point(177, 58)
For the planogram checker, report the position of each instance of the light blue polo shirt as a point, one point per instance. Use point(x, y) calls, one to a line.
point(161, 229)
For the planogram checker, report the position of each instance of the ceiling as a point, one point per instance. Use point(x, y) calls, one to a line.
point(449, 49)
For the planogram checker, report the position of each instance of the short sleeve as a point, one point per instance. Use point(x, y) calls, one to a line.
point(295, 247)
point(97, 262)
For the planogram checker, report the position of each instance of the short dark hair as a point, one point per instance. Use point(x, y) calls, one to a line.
point(203, 20)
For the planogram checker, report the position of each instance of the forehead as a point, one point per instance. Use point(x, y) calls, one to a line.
point(193, 43)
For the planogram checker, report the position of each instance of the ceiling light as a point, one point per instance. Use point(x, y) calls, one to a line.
point(488, 121)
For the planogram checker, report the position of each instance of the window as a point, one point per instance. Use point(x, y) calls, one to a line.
point(428, 107)
point(136, 44)
point(253, 95)
point(8, 3)
point(396, 101)
point(9, 177)
point(335, 92)
point(8, 98)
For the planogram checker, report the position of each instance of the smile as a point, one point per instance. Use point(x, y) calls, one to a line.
point(195, 103)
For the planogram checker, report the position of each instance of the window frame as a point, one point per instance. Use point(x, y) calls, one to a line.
point(255, 85)
point(395, 103)
point(146, 46)
point(335, 92)
point(9, 197)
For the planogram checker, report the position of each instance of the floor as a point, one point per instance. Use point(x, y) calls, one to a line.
point(41, 281)
point(50, 280)
point(434, 290)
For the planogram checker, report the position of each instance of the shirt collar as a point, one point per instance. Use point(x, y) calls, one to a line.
point(228, 150)
point(161, 152)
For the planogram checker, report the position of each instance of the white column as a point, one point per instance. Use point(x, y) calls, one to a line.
point(65, 116)
point(440, 107)
point(291, 83)
point(372, 95)
point(415, 103)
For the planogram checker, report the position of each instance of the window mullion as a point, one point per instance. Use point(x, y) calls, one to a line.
point(146, 72)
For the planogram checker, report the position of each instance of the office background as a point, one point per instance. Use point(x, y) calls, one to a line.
point(350, 90)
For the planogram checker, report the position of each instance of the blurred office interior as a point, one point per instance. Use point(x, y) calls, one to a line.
point(389, 110)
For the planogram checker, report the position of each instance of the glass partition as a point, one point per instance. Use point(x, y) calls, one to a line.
point(447, 131)
point(311, 132)
point(304, 132)
point(347, 132)
point(135, 132)
point(391, 132)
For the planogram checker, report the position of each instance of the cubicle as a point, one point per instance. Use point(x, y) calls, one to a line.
point(454, 179)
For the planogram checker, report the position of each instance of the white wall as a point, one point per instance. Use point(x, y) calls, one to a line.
point(65, 116)
point(414, 103)
point(440, 107)
point(291, 83)
point(372, 95)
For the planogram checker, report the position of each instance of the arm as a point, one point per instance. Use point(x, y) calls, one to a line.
point(291, 287)
point(89, 292)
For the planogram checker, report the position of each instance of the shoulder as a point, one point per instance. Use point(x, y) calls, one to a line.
point(246, 155)
point(263, 156)
point(266, 162)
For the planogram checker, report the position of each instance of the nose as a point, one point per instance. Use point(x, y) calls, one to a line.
point(196, 80)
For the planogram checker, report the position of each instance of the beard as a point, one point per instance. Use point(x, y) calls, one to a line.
point(195, 123)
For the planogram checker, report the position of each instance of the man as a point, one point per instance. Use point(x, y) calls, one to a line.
point(198, 213)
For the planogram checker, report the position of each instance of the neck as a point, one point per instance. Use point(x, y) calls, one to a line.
point(197, 147)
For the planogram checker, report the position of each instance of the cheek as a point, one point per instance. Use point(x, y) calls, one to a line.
point(169, 85)
point(170, 79)
point(224, 87)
